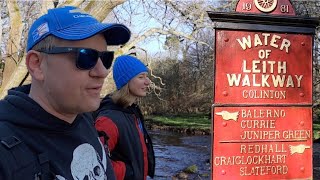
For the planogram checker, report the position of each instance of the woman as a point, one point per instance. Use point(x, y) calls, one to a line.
point(118, 116)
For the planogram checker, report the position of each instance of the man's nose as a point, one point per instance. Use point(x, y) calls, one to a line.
point(100, 70)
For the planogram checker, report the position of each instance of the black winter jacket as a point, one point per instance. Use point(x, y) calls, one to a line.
point(129, 146)
point(73, 150)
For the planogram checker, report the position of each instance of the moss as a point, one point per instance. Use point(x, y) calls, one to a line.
point(191, 169)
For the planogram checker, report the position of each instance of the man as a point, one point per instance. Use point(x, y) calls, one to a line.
point(44, 128)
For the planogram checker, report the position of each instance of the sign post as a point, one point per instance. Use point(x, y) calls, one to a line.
point(262, 111)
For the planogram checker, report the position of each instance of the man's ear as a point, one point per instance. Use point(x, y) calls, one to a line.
point(34, 60)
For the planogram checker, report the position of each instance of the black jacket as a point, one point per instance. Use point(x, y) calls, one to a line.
point(74, 150)
point(129, 147)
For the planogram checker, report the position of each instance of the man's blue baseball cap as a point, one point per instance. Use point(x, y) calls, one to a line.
point(72, 23)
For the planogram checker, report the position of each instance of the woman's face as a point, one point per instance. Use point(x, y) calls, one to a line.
point(138, 85)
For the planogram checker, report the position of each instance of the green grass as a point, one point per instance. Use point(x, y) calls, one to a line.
point(200, 122)
point(183, 121)
point(316, 130)
point(316, 127)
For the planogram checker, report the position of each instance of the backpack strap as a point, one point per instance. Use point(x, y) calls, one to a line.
point(21, 162)
point(45, 174)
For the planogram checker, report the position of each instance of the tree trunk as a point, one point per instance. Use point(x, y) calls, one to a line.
point(13, 49)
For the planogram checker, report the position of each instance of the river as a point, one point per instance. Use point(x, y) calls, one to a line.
point(175, 151)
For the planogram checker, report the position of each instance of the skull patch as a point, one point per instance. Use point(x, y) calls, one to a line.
point(87, 164)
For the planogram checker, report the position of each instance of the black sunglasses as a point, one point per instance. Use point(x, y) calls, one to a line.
point(86, 58)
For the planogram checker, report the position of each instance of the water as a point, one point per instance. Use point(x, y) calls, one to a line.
point(174, 152)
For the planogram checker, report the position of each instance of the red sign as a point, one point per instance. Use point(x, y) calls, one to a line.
point(263, 68)
point(262, 143)
point(274, 7)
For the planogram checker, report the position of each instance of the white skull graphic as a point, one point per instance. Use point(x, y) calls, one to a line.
point(86, 164)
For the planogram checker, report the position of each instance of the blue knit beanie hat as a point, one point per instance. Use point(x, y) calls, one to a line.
point(125, 68)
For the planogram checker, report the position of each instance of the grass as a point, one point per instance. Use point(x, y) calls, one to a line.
point(316, 130)
point(200, 122)
point(316, 126)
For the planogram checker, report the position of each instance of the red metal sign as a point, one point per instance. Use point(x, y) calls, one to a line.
point(274, 7)
point(262, 143)
point(263, 68)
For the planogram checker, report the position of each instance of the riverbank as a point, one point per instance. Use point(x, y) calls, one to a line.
point(195, 124)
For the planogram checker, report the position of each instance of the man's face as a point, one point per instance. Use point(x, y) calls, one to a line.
point(68, 89)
